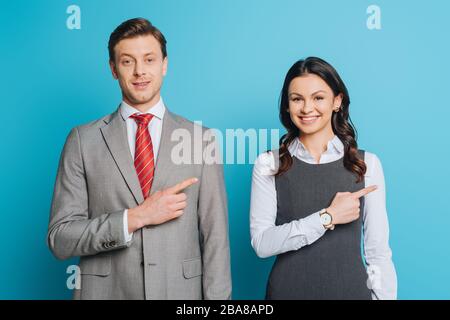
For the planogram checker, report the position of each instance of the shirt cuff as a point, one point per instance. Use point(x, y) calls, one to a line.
point(128, 236)
point(314, 227)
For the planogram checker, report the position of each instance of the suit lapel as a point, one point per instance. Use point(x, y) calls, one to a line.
point(164, 160)
point(115, 135)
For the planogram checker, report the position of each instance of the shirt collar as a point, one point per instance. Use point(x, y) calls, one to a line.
point(334, 146)
point(157, 110)
point(337, 144)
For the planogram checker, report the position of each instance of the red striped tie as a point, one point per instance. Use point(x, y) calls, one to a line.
point(143, 156)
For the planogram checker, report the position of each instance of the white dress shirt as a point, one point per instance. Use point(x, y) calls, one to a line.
point(154, 127)
point(267, 239)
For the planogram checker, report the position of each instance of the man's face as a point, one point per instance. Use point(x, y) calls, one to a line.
point(140, 67)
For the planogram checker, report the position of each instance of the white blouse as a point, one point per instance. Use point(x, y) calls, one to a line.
point(267, 239)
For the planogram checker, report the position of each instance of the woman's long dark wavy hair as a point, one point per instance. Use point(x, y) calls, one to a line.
point(341, 122)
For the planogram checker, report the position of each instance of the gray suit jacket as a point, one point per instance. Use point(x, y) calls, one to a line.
point(186, 258)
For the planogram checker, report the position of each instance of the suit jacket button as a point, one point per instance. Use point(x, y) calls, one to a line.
point(112, 243)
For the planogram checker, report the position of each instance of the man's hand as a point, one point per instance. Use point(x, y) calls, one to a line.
point(345, 206)
point(160, 207)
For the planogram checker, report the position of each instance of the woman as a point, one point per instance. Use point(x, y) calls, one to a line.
point(315, 198)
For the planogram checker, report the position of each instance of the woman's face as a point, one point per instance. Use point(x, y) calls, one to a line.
point(311, 104)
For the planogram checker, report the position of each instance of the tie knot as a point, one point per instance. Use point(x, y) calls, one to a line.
point(142, 119)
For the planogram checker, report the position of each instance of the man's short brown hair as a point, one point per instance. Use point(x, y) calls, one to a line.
point(134, 28)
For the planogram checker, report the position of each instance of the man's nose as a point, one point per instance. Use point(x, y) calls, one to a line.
point(139, 69)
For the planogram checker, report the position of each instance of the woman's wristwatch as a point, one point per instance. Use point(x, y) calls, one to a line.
point(326, 219)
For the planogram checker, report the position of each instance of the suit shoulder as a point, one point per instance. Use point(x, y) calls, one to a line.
point(186, 123)
point(94, 125)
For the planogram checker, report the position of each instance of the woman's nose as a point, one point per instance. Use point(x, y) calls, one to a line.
point(308, 106)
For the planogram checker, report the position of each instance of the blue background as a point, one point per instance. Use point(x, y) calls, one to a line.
point(227, 61)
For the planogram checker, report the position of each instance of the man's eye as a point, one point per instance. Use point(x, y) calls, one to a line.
point(126, 62)
point(149, 60)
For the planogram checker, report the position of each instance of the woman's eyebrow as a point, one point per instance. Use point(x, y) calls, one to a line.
point(314, 93)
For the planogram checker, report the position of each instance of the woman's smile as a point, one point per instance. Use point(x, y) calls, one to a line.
point(308, 119)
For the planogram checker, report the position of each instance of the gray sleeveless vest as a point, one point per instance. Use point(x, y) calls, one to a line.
point(332, 267)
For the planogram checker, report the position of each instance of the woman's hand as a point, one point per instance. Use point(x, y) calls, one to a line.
point(345, 206)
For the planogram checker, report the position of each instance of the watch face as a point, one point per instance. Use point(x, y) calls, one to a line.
point(326, 219)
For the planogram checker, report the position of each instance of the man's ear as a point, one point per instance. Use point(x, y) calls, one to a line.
point(165, 62)
point(112, 65)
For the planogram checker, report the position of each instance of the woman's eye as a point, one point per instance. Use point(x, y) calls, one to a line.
point(296, 99)
point(319, 98)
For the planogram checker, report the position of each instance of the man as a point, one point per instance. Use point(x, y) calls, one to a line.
point(144, 226)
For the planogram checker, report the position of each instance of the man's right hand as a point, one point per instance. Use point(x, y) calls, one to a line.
point(160, 207)
point(345, 206)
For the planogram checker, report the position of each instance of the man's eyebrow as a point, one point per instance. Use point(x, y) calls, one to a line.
point(125, 54)
point(130, 55)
